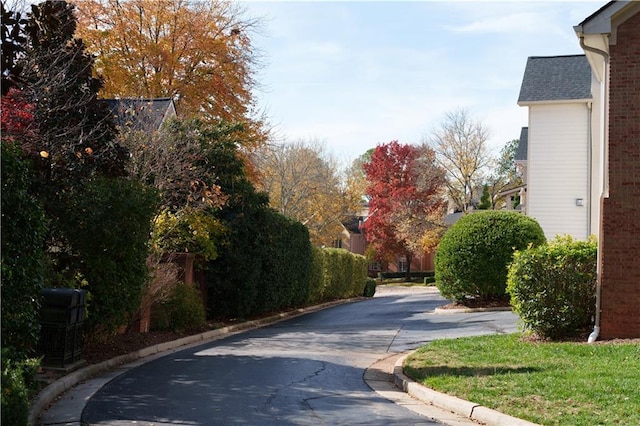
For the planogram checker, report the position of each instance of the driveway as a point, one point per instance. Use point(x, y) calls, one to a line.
point(304, 370)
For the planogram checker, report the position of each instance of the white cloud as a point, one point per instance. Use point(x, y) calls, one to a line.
point(360, 73)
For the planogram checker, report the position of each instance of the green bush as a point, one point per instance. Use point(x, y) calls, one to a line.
point(18, 386)
point(344, 274)
point(266, 266)
point(108, 224)
point(473, 255)
point(316, 280)
point(552, 286)
point(23, 232)
point(370, 288)
point(182, 311)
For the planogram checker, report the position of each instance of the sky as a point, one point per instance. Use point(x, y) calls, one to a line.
point(355, 74)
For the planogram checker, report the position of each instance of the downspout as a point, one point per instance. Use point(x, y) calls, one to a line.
point(603, 190)
point(590, 167)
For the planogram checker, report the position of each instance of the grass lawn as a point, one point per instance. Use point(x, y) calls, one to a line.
point(547, 383)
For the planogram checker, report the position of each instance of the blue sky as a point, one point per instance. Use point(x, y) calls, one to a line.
point(354, 74)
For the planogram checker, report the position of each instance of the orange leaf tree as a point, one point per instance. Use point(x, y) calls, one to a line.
point(197, 53)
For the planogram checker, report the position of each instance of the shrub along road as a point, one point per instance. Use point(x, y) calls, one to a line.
point(304, 370)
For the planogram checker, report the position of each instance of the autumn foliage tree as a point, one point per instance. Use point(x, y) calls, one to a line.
point(197, 53)
point(405, 205)
point(303, 184)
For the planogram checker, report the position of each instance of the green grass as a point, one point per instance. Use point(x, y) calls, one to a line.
point(547, 383)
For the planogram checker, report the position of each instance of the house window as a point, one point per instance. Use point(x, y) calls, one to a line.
point(337, 243)
point(402, 264)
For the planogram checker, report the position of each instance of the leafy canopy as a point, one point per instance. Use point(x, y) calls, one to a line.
point(404, 189)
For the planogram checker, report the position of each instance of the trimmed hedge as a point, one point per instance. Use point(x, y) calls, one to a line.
point(266, 266)
point(23, 233)
point(474, 254)
point(417, 274)
point(553, 286)
point(344, 273)
point(108, 224)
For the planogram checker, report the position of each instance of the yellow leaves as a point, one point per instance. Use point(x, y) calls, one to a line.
point(173, 48)
point(303, 184)
point(44, 154)
point(88, 150)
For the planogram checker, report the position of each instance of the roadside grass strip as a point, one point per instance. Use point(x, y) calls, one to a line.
point(550, 383)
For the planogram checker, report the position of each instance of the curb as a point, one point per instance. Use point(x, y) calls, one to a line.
point(456, 405)
point(441, 311)
point(47, 395)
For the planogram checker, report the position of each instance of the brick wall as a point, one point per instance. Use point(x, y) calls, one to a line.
point(621, 211)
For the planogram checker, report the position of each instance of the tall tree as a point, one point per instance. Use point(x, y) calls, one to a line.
point(355, 179)
point(172, 160)
point(461, 149)
point(303, 184)
point(405, 201)
point(13, 46)
point(76, 133)
point(198, 53)
point(504, 174)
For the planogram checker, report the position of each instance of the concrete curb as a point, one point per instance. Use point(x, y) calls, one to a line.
point(47, 395)
point(441, 311)
point(456, 405)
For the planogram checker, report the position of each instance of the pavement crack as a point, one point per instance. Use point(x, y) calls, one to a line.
point(268, 402)
point(394, 338)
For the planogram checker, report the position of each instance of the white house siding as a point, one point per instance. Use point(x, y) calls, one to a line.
point(558, 168)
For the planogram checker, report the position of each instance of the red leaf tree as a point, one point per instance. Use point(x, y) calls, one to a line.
point(405, 199)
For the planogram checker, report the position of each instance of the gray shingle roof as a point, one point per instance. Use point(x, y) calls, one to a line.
point(556, 78)
point(141, 114)
point(521, 153)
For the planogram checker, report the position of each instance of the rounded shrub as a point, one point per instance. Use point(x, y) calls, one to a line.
point(473, 255)
point(370, 288)
point(552, 286)
point(182, 311)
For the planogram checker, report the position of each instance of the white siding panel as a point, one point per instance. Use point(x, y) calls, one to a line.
point(558, 168)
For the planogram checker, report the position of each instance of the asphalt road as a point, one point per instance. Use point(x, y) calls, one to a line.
point(305, 370)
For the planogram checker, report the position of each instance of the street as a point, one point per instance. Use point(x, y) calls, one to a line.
point(304, 370)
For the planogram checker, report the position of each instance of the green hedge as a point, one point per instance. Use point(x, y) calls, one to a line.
point(108, 224)
point(23, 232)
point(473, 255)
point(269, 264)
point(417, 274)
point(552, 286)
point(344, 274)
point(265, 266)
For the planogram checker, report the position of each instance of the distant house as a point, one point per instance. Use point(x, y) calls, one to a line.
point(141, 114)
point(610, 38)
point(561, 160)
point(353, 239)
